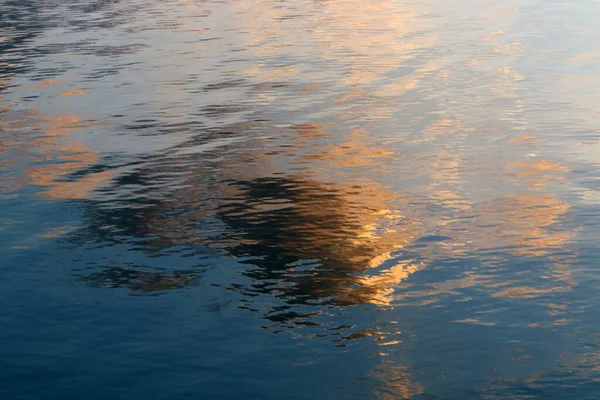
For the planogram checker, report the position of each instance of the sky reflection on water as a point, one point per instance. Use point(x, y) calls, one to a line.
point(230, 199)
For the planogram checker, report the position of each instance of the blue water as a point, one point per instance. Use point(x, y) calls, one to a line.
point(299, 200)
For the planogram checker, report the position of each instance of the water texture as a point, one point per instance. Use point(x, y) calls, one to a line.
point(309, 199)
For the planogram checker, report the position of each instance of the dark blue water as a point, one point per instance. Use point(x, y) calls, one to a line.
point(299, 200)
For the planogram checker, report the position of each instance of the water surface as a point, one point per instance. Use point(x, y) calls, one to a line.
point(299, 200)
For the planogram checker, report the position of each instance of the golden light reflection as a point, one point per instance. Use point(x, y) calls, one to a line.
point(395, 382)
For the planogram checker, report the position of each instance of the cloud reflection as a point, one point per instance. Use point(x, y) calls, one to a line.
point(331, 153)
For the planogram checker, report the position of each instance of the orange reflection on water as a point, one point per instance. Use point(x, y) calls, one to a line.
point(72, 92)
point(44, 84)
point(65, 156)
point(395, 382)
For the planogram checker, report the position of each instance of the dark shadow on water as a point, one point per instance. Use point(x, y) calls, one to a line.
point(303, 242)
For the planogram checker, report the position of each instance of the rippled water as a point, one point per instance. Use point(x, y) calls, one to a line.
point(299, 200)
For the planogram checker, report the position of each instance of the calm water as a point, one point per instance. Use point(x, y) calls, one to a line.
point(259, 199)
